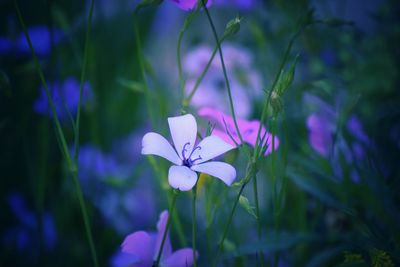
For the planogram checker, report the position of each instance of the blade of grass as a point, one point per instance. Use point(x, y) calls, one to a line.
point(82, 80)
point(140, 58)
point(63, 143)
point(232, 108)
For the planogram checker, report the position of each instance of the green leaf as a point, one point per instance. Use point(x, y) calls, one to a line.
point(323, 258)
point(315, 188)
point(244, 202)
point(276, 241)
point(137, 87)
point(286, 78)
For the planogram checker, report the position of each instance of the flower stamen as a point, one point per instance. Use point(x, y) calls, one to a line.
point(185, 150)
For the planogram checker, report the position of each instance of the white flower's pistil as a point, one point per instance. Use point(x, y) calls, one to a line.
point(188, 161)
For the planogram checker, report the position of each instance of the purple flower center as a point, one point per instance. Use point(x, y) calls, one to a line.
point(187, 161)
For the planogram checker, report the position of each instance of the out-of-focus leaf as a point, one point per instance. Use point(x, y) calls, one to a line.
point(276, 241)
point(137, 87)
point(322, 258)
point(229, 245)
point(309, 184)
point(244, 203)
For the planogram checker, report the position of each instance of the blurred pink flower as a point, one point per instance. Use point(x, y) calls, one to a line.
point(245, 82)
point(189, 4)
point(143, 248)
point(248, 129)
point(320, 133)
point(188, 157)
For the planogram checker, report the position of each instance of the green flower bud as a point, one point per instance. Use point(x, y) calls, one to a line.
point(232, 27)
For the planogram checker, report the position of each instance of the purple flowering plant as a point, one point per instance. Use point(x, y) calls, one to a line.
point(143, 248)
point(221, 130)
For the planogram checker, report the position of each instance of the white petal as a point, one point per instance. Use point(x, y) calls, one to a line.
point(221, 170)
point(209, 148)
point(181, 177)
point(155, 144)
point(183, 131)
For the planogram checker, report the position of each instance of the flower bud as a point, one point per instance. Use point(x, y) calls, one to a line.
point(232, 27)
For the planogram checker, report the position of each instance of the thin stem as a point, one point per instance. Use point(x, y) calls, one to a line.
point(162, 177)
point(62, 141)
point(180, 72)
point(59, 131)
point(265, 108)
point(273, 174)
point(224, 71)
point(171, 210)
point(89, 235)
point(228, 224)
point(201, 77)
point(194, 226)
point(140, 57)
point(82, 79)
point(186, 24)
point(255, 191)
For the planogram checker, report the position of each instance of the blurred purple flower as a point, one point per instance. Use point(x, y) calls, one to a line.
point(320, 133)
point(321, 124)
point(245, 82)
point(65, 97)
point(356, 129)
point(40, 36)
point(6, 45)
point(189, 4)
point(122, 207)
point(41, 40)
point(144, 246)
point(25, 234)
point(188, 157)
point(248, 129)
point(241, 4)
point(96, 165)
point(328, 56)
point(105, 181)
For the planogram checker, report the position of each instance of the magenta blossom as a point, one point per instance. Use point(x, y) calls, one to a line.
point(248, 129)
point(143, 247)
point(188, 157)
point(320, 133)
point(245, 81)
point(190, 4)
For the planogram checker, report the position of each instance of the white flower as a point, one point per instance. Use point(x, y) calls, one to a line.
point(188, 157)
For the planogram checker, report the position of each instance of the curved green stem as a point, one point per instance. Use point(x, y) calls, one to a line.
point(171, 210)
point(265, 107)
point(228, 224)
point(82, 79)
point(140, 58)
point(255, 191)
point(63, 143)
point(187, 100)
point(194, 226)
point(180, 71)
point(186, 24)
point(224, 71)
